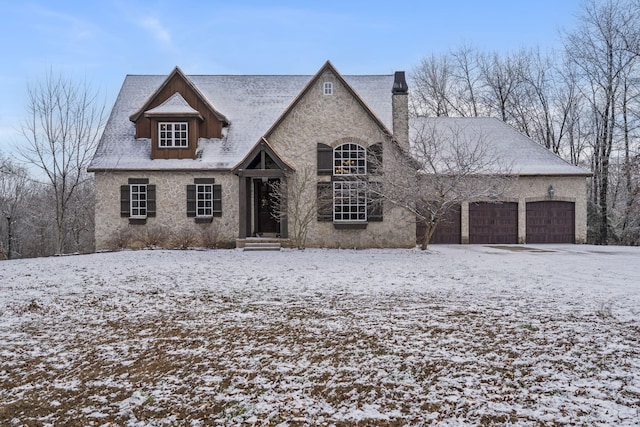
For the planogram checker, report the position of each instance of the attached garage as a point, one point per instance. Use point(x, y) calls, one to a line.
point(493, 223)
point(551, 222)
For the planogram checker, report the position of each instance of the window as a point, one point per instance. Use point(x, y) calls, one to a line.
point(349, 201)
point(349, 159)
point(173, 134)
point(204, 200)
point(138, 200)
point(328, 88)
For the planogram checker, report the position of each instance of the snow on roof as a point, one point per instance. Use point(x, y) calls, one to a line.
point(521, 154)
point(251, 103)
point(175, 104)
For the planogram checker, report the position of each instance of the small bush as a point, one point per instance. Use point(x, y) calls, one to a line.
point(184, 238)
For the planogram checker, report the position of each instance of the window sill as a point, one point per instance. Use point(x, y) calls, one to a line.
point(138, 221)
point(204, 220)
point(350, 225)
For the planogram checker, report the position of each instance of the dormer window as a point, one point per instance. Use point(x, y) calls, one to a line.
point(173, 134)
point(328, 88)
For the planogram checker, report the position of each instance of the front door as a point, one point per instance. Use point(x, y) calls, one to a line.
point(266, 210)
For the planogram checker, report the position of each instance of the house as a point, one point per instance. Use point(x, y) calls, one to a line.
point(196, 159)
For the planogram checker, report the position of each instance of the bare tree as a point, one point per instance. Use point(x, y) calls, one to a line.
point(448, 165)
point(294, 200)
point(64, 123)
point(603, 48)
point(14, 188)
point(501, 77)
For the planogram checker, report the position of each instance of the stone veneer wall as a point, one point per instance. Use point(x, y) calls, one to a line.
point(334, 119)
point(171, 224)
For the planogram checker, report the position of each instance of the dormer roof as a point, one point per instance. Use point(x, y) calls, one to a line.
point(175, 105)
point(177, 74)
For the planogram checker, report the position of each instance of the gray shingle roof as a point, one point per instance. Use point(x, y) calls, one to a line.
point(520, 153)
point(251, 103)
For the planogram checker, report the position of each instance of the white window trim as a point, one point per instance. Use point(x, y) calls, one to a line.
point(350, 166)
point(355, 200)
point(138, 189)
point(204, 200)
point(170, 140)
point(327, 88)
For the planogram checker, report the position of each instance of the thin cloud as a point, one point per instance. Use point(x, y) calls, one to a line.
point(157, 30)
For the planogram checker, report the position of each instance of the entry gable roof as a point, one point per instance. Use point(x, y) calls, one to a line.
point(328, 66)
point(178, 74)
point(263, 145)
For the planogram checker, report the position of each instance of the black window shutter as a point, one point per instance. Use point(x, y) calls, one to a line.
point(325, 159)
point(191, 201)
point(374, 202)
point(151, 201)
point(217, 200)
point(374, 159)
point(125, 201)
point(325, 201)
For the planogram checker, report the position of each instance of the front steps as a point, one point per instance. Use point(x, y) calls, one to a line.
point(261, 244)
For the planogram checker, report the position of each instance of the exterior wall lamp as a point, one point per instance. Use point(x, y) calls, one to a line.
point(551, 191)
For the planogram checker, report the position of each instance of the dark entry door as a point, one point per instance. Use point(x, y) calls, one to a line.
point(266, 221)
point(493, 223)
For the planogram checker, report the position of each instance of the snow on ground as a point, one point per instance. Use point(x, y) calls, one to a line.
point(458, 335)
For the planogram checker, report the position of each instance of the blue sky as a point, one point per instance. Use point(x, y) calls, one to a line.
point(102, 41)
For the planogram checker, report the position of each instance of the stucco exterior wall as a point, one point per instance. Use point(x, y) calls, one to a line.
point(536, 189)
point(171, 224)
point(332, 120)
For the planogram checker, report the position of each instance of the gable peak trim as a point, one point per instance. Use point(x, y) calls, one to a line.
point(178, 72)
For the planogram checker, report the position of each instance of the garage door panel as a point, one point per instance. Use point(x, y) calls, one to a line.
point(493, 223)
point(448, 230)
point(551, 222)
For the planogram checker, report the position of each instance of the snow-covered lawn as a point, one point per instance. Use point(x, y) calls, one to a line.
point(458, 335)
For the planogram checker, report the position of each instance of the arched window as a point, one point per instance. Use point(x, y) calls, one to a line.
point(349, 159)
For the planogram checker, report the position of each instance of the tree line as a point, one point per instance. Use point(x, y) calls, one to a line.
point(46, 196)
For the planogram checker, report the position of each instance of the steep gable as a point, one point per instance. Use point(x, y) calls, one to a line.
point(328, 68)
point(178, 83)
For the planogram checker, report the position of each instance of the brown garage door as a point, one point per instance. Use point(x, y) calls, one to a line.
point(550, 222)
point(448, 230)
point(493, 223)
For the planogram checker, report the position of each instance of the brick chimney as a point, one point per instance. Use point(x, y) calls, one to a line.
point(400, 106)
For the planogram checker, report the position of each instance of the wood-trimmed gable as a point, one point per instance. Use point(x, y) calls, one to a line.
point(212, 123)
point(259, 152)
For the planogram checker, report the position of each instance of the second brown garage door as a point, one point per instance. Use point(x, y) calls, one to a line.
point(493, 223)
point(550, 222)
